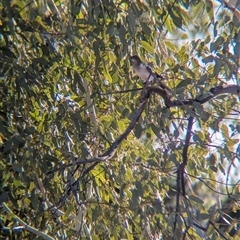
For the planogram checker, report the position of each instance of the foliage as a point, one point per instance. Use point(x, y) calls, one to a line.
point(68, 93)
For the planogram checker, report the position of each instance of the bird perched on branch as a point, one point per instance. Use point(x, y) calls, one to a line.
point(144, 71)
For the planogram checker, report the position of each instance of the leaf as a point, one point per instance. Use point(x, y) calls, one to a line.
point(184, 83)
point(176, 19)
point(153, 163)
point(210, 9)
point(170, 46)
point(138, 130)
point(106, 118)
point(197, 138)
point(217, 66)
point(34, 199)
point(215, 45)
point(131, 21)
point(94, 237)
point(214, 169)
point(221, 167)
point(121, 125)
point(208, 59)
point(147, 46)
point(215, 29)
point(7, 146)
point(107, 76)
point(198, 9)
point(236, 50)
point(212, 159)
point(176, 133)
point(146, 28)
point(199, 108)
point(207, 39)
point(18, 184)
point(155, 129)
point(232, 142)
point(19, 141)
point(184, 36)
point(196, 199)
point(139, 188)
point(225, 130)
point(169, 24)
point(30, 130)
point(204, 78)
point(110, 29)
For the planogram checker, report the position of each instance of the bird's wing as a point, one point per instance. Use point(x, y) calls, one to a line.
point(149, 69)
point(153, 73)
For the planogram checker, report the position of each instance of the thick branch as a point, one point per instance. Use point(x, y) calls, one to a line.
point(181, 170)
point(213, 92)
point(111, 151)
point(203, 98)
point(187, 141)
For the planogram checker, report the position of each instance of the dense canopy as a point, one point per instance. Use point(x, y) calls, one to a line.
point(89, 152)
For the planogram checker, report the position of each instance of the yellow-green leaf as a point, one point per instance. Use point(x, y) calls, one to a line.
point(107, 76)
point(170, 46)
point(147, 46)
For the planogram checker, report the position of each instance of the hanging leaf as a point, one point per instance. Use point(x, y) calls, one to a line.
point(147, 46)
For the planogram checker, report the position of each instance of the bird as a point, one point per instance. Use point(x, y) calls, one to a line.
point(144, 71)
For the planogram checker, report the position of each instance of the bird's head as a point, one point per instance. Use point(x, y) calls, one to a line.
point(135, 60)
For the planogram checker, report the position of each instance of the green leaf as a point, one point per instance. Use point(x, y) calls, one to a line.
point(107, 76)
point(147, 46)
point(169, 25)
point(121, 125)
point(106, 118)
point(204, 78)
point(217, 66)
point(153, 163)
point(184, 36)
point(131, 20)
point(199, 108)
point(208, 59)
point(110, 28)
point(196, 199)
point(34, 199)
point(170, 46)
point(232, 142)
point(19, 141)
point(217, 44)
point(184, 83)
point(138, 130)
point(30, 130)
point(225, 130)
point(147, 30)
point(210, 10)
point(176, 19)
point(139, 188)
point(198, 9)
point(207, 39)
point(198, 138)
point(155, 129)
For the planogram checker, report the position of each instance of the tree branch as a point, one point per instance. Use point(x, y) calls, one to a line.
point(203, 98)
point(25, 225)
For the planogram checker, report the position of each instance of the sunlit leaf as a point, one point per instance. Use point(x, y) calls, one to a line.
point(147, 46)
point(196, 199)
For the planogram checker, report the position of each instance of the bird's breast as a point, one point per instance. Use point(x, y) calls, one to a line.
point(144, 74)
